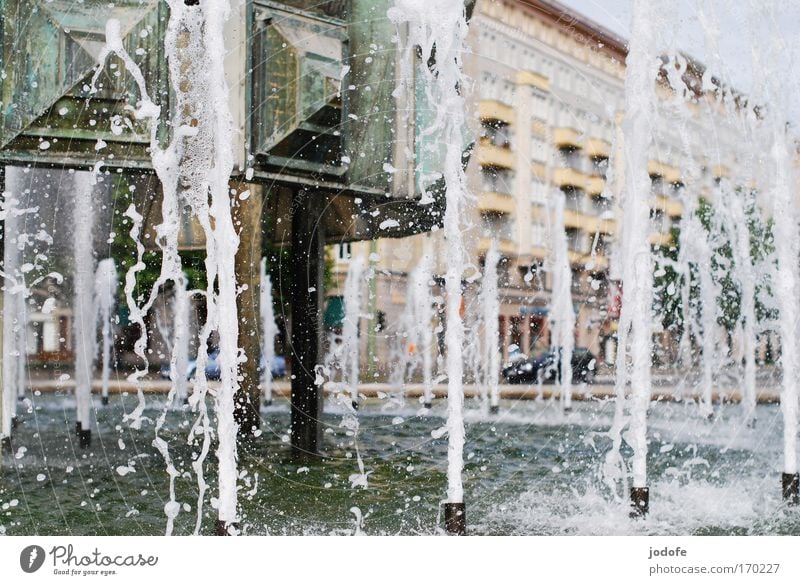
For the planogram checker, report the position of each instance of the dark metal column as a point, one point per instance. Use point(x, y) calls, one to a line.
point(307, 263)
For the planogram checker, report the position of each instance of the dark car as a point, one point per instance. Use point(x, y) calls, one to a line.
point(545, 367)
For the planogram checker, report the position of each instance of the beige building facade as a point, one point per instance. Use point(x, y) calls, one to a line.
point(547, 88)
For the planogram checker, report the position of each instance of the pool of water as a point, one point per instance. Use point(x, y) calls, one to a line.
point(529, 470)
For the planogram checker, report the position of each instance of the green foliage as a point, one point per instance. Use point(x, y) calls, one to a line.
point(668, 283)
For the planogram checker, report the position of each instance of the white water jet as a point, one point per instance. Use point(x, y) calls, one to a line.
point(709, 294)
point(635, 323)
point(105, 294)
point(423, 300)
point(772, 88)
point(269, 331)
point(490, 301)
point(12, 288)
point(402, 358)
point(199, 157)
point(786, 289)
point(353, 286)
point(21, 334)
point(562, 312)
point(438, 31)
point(85, 317)
point(179, 360)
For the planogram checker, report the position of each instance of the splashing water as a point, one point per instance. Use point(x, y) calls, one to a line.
point(199, 157)
point(423, 301)
point(562, 313)
point(350, 326)
point(350, 358)
point(438, 30)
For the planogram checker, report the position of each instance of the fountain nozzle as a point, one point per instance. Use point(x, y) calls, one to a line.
point(640, 502)
point(222, 528)
point(85, 438)
point(455, 518)
point(790, 482)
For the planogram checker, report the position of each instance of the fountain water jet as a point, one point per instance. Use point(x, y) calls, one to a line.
point(12, 289)
point(179, 360)
point(105, 290)
point(423, 300)
point(350, 327)
point(200, 158)
point(438, 32)
point(637, 272)
point(85, 321)
point(741, 245)
point(562, 313)
point(786, 282)
point(491, 322)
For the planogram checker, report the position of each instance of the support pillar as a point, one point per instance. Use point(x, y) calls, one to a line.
point(372, 304)
point(307, 263)
point(247, 222)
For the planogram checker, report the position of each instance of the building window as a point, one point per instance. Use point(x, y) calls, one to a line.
point(497, 179)
point(496, 133)
point(599, 166)
point(344, 251)
point(572, 158)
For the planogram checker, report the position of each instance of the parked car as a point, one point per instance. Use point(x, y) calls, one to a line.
point(213, 367)
point(546, 366)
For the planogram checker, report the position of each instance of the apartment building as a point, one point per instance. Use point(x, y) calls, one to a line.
point(547, 88)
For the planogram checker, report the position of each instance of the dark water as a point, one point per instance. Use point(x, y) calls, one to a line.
point(530, 470)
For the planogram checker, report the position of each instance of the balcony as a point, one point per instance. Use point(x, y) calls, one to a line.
point(495, 110)
point(595, 185)
point(597, 147)
point(494, 156)
point(659, 203)
point(493, 201)
point(596, 264)
point(533, 79)
point(606, 226)
point(667, 172)
point(662, 240)
point(720, 171)
point(578, 220)
point(575, 258)
point(674, 208)
point(539, 252)
point(566, 177)
point(566, 137)
point(505, 245)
